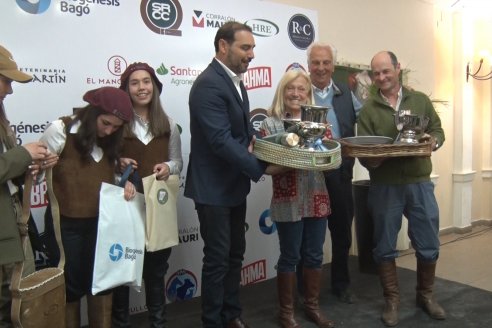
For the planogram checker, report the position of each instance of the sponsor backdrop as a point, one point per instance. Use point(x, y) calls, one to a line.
point(71, 46)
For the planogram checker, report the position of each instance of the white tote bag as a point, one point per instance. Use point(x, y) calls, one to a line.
point(120, 240)
point(161, 224)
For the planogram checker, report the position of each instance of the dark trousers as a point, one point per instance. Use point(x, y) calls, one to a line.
point(340, 225)
point(79, 243)
point(154, 270)
point(223, 232)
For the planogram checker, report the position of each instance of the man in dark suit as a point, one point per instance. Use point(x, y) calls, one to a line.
point(342, 117)
point(220, 171)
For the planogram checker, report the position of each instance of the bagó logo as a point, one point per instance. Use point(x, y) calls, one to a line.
point(34, 7)
point(115, 252)
point(162, 16)
point(301, 31)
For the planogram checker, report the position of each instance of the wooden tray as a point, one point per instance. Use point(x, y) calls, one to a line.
point(299, 158)
point(361, 147)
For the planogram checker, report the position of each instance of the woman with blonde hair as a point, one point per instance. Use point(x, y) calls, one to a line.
point(299, 207)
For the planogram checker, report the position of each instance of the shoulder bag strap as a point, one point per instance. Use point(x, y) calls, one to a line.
point(55, 213)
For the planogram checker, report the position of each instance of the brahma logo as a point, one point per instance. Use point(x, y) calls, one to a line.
point(301, 31)
point(162, 16)
point(267, 226)
point(182, 285)
point(115, 252)
point(253, 272)
point(39, 195)
point(258, 77)
point(262, 27)
point(34, 7)
point(256, 116)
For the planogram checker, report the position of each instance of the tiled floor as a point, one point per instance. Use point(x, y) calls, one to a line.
point(464, 258)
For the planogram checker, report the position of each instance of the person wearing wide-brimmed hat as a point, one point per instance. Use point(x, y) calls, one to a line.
point(15, 161)
point(88, 145)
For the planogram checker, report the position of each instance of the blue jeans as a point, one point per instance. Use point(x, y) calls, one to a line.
point(222, 230)
point(387, 204)
point(306, 236)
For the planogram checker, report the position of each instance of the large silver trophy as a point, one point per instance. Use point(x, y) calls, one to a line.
point(410, 126)
point(311, 128)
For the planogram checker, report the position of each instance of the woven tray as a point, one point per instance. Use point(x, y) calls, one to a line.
point(299, 158)
point(352, 149)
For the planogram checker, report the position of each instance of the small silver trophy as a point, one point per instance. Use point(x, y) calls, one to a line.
point(409, 126)
point(311, 128)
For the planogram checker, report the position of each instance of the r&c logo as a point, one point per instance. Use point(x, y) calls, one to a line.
point(301, 31)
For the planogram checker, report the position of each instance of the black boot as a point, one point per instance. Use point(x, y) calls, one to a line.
point(156, 303)
point(120, 316)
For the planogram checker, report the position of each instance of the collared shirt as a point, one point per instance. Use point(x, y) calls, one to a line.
point(54, 136)
point(398, 101)
point(236, 79)
point(324, 97)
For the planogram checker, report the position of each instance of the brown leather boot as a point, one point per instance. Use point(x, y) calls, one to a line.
point(72, 314)
point(425, 282)
point(286, 284)
point(389, 282)
point(99, 310)
point(312, 285)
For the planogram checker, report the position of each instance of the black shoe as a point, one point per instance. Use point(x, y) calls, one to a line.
point(345, 296)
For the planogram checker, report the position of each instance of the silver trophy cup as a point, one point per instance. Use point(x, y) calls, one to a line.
point(410, 126)
point(312, 126)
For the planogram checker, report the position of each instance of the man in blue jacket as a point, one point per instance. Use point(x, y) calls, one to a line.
point(220, 171)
